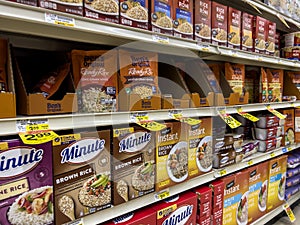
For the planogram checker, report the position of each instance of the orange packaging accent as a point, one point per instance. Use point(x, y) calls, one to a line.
point(235, 75)
point(275, 85)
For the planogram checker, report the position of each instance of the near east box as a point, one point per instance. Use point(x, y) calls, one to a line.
point(43, 82)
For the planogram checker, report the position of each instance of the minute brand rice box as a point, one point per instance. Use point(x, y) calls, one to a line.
point(258, 190)
point(180, 210)
point(133, 163)
point(81, 174)
point(277, 181)
point(236, 198)
point(26, 183)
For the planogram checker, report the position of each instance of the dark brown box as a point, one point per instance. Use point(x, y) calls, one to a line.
point(219, 24)
point(271, 38)
point(183, 19)
point(161, 16)
point(202, 28)
point(247, 32)
point(110, 12)
point(259, 34)
point(234, 28)
point(75, 7)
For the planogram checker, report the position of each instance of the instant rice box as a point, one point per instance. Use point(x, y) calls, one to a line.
point(236, 198)
point(183, 18)
point(202, 29)
point(179, 209)
point(82, 179)
point(258, 190)
point(161, 16)
point(133, 163)
point(234, 28)
point(219, 23)
point(26, 183)
point(277, 181)
point(171, 156)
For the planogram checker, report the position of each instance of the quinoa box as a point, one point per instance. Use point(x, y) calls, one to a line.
point(183, 18)
point(258, 190)
point(171, 156)
point(178, 209)
point(202, 28)
point(26, 183)
point(82, 179)
point(133, 163)
point(219, 24)
point(161, 16)
point(134, 13)
point(277, 181)
point(236, 198)
point(234, 28)
point(247, 26)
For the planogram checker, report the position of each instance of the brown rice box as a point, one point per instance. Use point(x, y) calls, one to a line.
point(178, 209)
point(217, 187)
point(200, 149)
point(171, 156)
point(183, 18)
point(275, 85)
point(219, 24)
point(247, 26)
point(82, 179)
point(236, 198)
point(277, 181)
point(235, 75)
point(270, 41)
point(74, 7)
point(258, 190)
point(161, 16)
point(289, 127)
point(259, 34)
point(145, 216)
point(234, 28)
point(95, 77)
point(105, 10)
point(202, 29)
point(133, 163)
point(134, 13)
point(26, 183)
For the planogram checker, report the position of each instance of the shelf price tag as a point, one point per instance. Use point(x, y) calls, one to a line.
point(246, 115)
point(204, 48)
point(233, 53)
point(284, 150)
point(75, 222)
point(272, 154)
point(275, 112)
point(220, 173)
point(250, 163)
point(232, 123)
point(177, 115)
point(289, 212)
point(59, 20)
point(162, 195)
point(143, 120)
point(160, 39)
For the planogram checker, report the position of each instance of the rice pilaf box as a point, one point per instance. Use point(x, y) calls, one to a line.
point(26, 184)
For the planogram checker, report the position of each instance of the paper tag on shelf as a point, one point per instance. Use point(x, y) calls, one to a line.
point(3, 146)
point(290, 149)
point(233, 53)
point(160, 39)
point(204, 48)
point(143, 120)
point(246, 115)
point(232, 123)
point(289, 212)
point(275, 112)
point(250, 162)
point(59, 20)
point(220, 173)
point(38, 137)
point(31, 125)
point(75, 222)
point(162, 195)
point(177, 115)
point(272, 154)
point(259, 58)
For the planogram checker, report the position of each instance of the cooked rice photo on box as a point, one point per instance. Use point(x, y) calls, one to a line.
point(122, 189)
point(205, 154)
point(162, 20)
point(144, 177)
point(134, 10)
point(106, 6)
point(178, 162)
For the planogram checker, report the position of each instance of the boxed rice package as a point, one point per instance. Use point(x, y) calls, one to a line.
point(199, 139)
point(297, 125)
point(202, 29)
point(235, 75)
point(73, 7)
point(204, 195)
point(277, 182)
point(105, 10)
point(258, 190)
point(246, 29)
point(234, 28)
point(82, 179)
point(236, 198)
point(219, 24)
point(259, 34)
point(171, 156)
point(145, 216)
point(134, 13)
point(217, 188)
point(183, 18)
point(288, 127)
point(178, 209)
point(161, 16)
point(275, 85)
point(138, 83)
point(270, 40)
point(133, 163)
point(26, 183)
point(263, 86)
point(95, 78)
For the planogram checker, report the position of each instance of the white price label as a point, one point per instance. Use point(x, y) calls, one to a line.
point(162, 195)
point(29, 125)
point(233, 53)
point(160, 39)
point(59, 20)
point(204, 48)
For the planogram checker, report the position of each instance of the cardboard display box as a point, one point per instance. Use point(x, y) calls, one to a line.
point(28, 66)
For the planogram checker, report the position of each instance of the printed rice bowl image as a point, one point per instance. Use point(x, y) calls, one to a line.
point(33, 207)
point(69, 2)
point(281, 187)
point(137, 13)
point(185, 28)
point(262, 196)
point(164, 22)
point(177, 163)
point(242, 210)
point(204, 155)
point(107, 7)
point(144, 177)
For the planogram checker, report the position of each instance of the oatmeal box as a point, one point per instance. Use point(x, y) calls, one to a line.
point(183, 19)
point(171, 156)
point(26, 181)
point(202, 29)
point(161, 16)
point(133, 163)
point(82, 179)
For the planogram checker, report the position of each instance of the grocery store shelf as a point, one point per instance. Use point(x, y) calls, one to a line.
point(266, 218)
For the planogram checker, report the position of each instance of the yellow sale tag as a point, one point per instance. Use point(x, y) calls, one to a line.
point(36, 127)
point(250, 163)
point(275, 112)
point(290, 149)
point(178, 116)
point(272, 155)
point(41, 137)
point(151, 125)
point(3, 146)
point(223, 172)
point(247, 115)
point(232, 123)
point(162, 195)
point(289, 212)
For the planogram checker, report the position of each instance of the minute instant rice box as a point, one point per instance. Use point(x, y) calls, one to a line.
point(26, 184)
